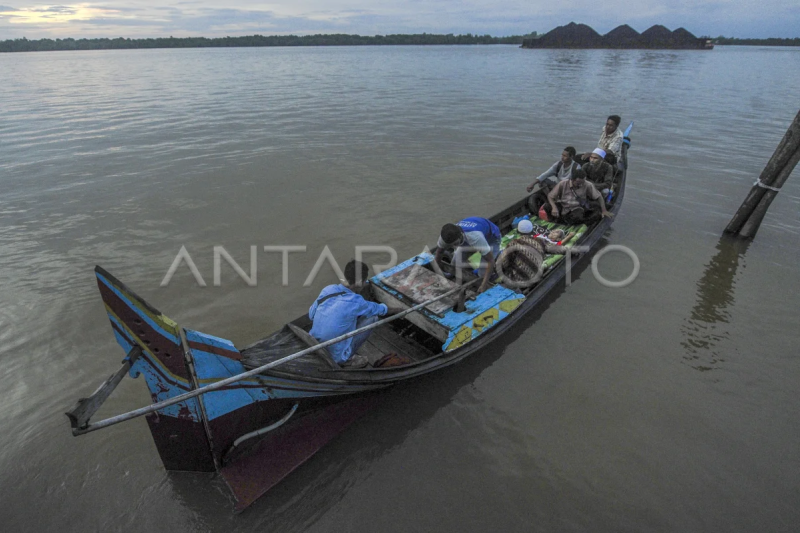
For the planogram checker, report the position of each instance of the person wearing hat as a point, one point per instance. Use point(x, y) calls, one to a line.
point(473, 234)
point(610, 140)
point(600, 173)
point(576, 201)
point(520, 264)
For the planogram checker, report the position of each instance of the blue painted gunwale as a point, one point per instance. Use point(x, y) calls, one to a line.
point(451, 320)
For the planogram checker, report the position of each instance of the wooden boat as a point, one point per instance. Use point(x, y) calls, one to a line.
point(256, 413)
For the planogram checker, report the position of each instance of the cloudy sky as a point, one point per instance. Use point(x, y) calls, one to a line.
point(158, 18)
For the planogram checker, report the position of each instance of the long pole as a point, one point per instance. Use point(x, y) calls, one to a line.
point(239, 377)
point(750, 228)
point(750, 214)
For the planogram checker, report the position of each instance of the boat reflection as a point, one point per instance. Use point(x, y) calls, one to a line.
point(706, 326)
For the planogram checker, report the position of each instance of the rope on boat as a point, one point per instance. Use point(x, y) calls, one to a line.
point(239, 377)
point(256, 433)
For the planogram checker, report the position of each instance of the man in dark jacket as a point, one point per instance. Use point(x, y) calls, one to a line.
point(600, 173)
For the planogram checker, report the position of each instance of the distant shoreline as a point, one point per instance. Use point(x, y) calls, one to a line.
point(771, 41)
point(120, 43)
point(423, 39)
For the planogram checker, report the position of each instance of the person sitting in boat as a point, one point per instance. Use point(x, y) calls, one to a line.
point(610, 141)
point(600, 173)
point(520, 264)
point(576, 201)
point(561, 170)
point(557, 237)
point(340, 309)
point(473, 234)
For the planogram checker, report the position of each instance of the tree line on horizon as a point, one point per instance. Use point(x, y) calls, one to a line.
point(43, 45)
point(771, 41)
point(121, 43)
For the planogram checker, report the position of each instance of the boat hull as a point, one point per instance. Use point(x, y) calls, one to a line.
point(259, 429)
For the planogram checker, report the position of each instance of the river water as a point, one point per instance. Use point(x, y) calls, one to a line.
point(667, 405)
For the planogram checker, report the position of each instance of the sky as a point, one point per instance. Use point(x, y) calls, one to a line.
point(212, 18)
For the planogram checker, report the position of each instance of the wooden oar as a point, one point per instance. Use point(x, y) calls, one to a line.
point(239, 377)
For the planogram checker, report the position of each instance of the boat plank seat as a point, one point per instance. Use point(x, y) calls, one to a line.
point(388, 341)
point(307, 338)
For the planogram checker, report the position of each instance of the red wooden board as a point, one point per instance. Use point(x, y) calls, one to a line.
point(287, 447)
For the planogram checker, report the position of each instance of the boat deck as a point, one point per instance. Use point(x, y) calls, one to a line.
point(384, 340)
point(422, 335)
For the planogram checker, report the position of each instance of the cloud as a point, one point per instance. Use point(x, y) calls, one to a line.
point(154, 18)
point(55, 9)
point(113, 22)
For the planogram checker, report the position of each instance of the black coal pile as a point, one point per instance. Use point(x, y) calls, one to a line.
point(582, 36)
point(622, 37)
point(657, 37)
point(684, 36)
point(570, 36)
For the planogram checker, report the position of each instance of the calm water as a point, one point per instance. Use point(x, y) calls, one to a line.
point(669, 405)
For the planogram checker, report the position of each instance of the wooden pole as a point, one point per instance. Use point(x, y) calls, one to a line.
point(750, 227)
point(750, 214)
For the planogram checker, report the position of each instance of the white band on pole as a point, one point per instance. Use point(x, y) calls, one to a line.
point(758, 182)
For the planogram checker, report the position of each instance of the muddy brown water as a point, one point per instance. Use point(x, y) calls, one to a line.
point(667, 405)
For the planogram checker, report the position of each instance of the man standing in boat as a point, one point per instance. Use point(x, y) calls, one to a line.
point(340, 309)
point(473, 234)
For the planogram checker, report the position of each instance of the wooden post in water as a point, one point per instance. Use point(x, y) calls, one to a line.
point(748, 218)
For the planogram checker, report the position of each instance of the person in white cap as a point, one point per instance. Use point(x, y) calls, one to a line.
point(600, 173)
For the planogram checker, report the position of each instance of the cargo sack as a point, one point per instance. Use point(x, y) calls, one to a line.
point(543, 214)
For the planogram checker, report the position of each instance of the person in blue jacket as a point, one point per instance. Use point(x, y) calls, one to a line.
point(473, 234)
point(340, 309)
